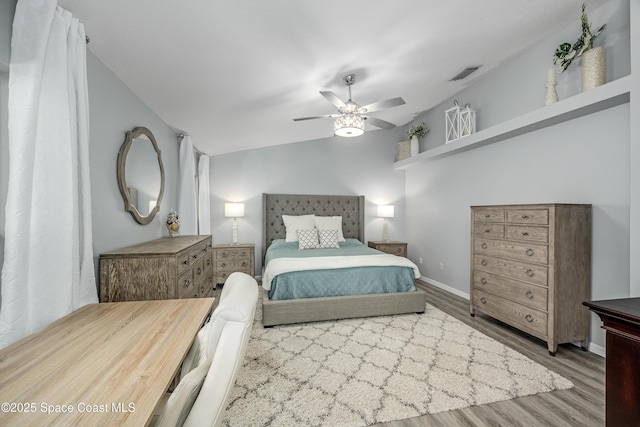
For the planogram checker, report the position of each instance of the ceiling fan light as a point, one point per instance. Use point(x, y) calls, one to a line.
point(349, 125)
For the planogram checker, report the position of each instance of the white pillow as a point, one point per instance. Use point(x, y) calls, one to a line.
point(293, 223)
point(308, 239)
point(328, 239)
point(330, 223)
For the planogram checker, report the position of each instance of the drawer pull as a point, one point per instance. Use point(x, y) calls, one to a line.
point(529, 272)
point(484, 262)
point(483, 300)
point(185, 262)
point(529, 252)
point(484, 245)
point(529, 318)
point(186, 283)
point(199, 271)
point(487, 230)
point(524, 233)
point(525, 216)
point(202, 289)
point(483, 281)
point(529, 294)
point(223, 265)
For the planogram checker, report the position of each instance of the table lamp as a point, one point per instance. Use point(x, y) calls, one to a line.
point(385, 211)
point(235, 211)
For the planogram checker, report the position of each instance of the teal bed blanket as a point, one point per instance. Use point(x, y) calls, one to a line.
point(336, 282)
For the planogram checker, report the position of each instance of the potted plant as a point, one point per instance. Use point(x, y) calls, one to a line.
point(592, 58)
point(415, 132)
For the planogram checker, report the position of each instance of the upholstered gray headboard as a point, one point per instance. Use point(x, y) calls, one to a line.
point(351, 208)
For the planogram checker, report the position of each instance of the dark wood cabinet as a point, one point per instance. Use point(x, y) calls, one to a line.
point(621, 320)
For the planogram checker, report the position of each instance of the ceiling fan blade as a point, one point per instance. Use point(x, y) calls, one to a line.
point(333, 98)
point(379, 123)
point(381, 105)
point(316, 117)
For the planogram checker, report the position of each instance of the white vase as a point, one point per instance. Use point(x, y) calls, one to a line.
point(552, 96)
point(593, 68)
point(415, 146)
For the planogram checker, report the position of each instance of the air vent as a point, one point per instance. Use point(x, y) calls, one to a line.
point(464, 73)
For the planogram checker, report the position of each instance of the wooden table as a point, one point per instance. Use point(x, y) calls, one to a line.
point(621, 320)
point(104, 364)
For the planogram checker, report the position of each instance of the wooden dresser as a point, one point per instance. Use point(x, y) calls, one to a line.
point(167, 268)
point(531, 269)
point(228, 259)
point(390, 247)
point(621, 319)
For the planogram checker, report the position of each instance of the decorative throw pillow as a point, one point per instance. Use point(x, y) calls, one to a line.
point(330, 223)
point(328, 239)
point(293, 223)
point(308, 239)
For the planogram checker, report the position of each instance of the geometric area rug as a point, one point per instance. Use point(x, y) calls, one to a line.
point(358, 372)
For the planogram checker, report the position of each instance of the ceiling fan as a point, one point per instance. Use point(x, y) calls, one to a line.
point(351, 116)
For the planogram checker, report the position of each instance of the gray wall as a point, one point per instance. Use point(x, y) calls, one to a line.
point(114, 109)
point(581, 161)
point(359, 166)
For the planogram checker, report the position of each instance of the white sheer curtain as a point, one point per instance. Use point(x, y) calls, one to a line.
point(187, 210)
point(48, 261)
point(204, 202)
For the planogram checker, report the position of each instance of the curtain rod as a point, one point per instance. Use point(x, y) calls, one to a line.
point(181, 137)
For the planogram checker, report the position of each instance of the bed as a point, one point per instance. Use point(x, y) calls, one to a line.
point(319, 308)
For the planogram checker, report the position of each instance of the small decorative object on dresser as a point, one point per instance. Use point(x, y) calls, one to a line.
point(531, 269)
point(228, 259)
point(173, 223)
point(167, 268)
point(389, 247)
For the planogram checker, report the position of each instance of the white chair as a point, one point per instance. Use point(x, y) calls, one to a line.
point(211, 366)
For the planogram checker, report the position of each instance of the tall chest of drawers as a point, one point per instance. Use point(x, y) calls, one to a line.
point(531, 268)
point(166, 268)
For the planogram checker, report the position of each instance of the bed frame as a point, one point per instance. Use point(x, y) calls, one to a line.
point(351, 208)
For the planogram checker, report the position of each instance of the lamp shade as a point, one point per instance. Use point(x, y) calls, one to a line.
point(385, 211)
point(349, 125)
point(234, 210)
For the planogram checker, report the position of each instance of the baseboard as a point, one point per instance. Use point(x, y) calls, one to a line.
point(597, 349)
point(593, 348)
point(446, 288)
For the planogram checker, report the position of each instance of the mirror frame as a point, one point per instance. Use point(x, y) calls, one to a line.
point(122, 182)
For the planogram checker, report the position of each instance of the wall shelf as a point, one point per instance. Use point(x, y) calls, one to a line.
point(601, 98)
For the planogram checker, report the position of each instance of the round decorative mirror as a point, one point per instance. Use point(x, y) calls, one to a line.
point(141, 175)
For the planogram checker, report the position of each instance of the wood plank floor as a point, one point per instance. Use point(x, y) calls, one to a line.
point(582, 405)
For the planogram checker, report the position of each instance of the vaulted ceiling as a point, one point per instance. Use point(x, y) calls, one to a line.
point(234, 74)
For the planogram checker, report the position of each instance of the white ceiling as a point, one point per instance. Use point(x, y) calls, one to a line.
point(234, 73)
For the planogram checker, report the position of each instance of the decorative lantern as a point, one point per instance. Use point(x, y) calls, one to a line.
point(467, 121)
point(452, 125)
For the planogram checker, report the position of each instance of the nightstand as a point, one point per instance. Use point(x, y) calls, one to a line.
point(390, 247)
point(228, 259)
